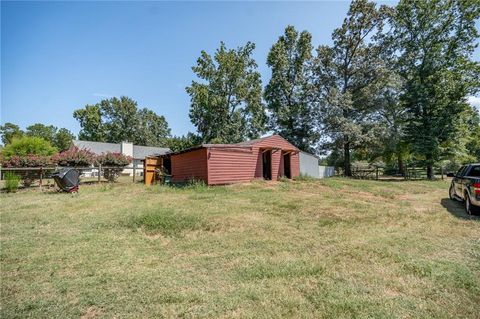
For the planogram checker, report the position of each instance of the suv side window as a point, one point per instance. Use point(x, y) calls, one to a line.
point(474, 171)
point(459, 173)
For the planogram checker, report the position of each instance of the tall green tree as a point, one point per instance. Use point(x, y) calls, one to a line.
point(227, 105)
point(464, 145)
point(435, 40)
point(347, 75)
point(393, 117)
point(119, 119)
point(60, 138)
point(90, 119)
point(289, 94)
point(152, 128)
point(9, 131)
point(63, 139)
point(47, 132)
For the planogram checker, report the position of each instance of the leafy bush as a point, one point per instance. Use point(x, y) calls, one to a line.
point(28, 177)
point(74, 157)
point(28, 145)
point(114, 163)
point(113, 159)
point(27, 161)
point(11, 182)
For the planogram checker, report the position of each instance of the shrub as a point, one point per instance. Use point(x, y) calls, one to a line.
point(30, 160)
point(74, 157)
point(196, 183)
point(28, 145)
point(114, 163)
point(11, 182)
point(114, 159)
point(28, 177)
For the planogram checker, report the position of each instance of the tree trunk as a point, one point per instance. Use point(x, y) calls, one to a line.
point(429, 171)
point(401, 165)
point(429, 166)
point(346, 159)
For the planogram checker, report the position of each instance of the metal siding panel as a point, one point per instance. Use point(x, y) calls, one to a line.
point(276, 141)
point(217, 165)
point(326, 171)
point(228, 166)
point(309, 165)
point(190, 165)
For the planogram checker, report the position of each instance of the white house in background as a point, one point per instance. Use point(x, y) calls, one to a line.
point(137, 152)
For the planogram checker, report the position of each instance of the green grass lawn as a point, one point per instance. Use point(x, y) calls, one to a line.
point(334, 248)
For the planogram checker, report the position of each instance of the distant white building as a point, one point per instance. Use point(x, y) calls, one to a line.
point(137, 152)
point(309, 166)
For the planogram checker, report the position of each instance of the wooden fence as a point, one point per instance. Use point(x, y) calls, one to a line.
point(133, 173)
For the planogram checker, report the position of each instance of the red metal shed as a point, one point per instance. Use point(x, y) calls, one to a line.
point(269, 158)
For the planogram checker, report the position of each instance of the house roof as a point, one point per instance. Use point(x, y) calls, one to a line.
point(139, 152)
point(144, 151)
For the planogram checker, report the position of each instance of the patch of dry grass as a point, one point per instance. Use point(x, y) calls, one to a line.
point(334, 248)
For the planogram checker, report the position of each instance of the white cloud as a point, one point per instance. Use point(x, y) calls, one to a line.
point(474, 101)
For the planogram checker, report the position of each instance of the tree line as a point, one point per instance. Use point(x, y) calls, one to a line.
point(392, 87)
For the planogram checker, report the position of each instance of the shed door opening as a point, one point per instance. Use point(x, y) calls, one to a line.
point(286, 165)
point(267, 164)
point(167, 165)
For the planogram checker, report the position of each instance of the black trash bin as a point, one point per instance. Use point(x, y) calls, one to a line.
point(67, 179)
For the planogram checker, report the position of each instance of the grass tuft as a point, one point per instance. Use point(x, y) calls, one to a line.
point(292, 269)
point(166, 222)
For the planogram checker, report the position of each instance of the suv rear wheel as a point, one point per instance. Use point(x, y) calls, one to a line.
point(469, 208)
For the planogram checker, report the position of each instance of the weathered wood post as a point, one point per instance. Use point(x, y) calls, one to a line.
point(41, 178)
point(134, 166)
point(99, 172)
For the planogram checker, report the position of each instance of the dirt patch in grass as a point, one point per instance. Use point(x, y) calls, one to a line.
point(91, 312)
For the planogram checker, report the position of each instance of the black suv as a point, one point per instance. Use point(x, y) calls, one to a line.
point(466, 187)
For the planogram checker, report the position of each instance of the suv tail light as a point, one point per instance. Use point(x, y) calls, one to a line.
point(476, 188)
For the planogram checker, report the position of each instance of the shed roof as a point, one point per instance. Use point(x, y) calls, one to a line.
point(139, 152)
point(246, 144)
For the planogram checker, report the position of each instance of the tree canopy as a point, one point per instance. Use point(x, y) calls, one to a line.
point(227, 105)
point(392, 87)
point(59, 138)
point(178, 143)
point(119, 119)
point(347, 75)
point(10, 131)
point(434, 40)
point(290, 96)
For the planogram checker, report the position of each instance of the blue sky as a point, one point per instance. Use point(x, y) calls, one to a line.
point(59, 56)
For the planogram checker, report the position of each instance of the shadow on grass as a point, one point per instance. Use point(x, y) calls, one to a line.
point(456, 209)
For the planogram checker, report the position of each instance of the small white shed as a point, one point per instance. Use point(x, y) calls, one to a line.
point(309, 165)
